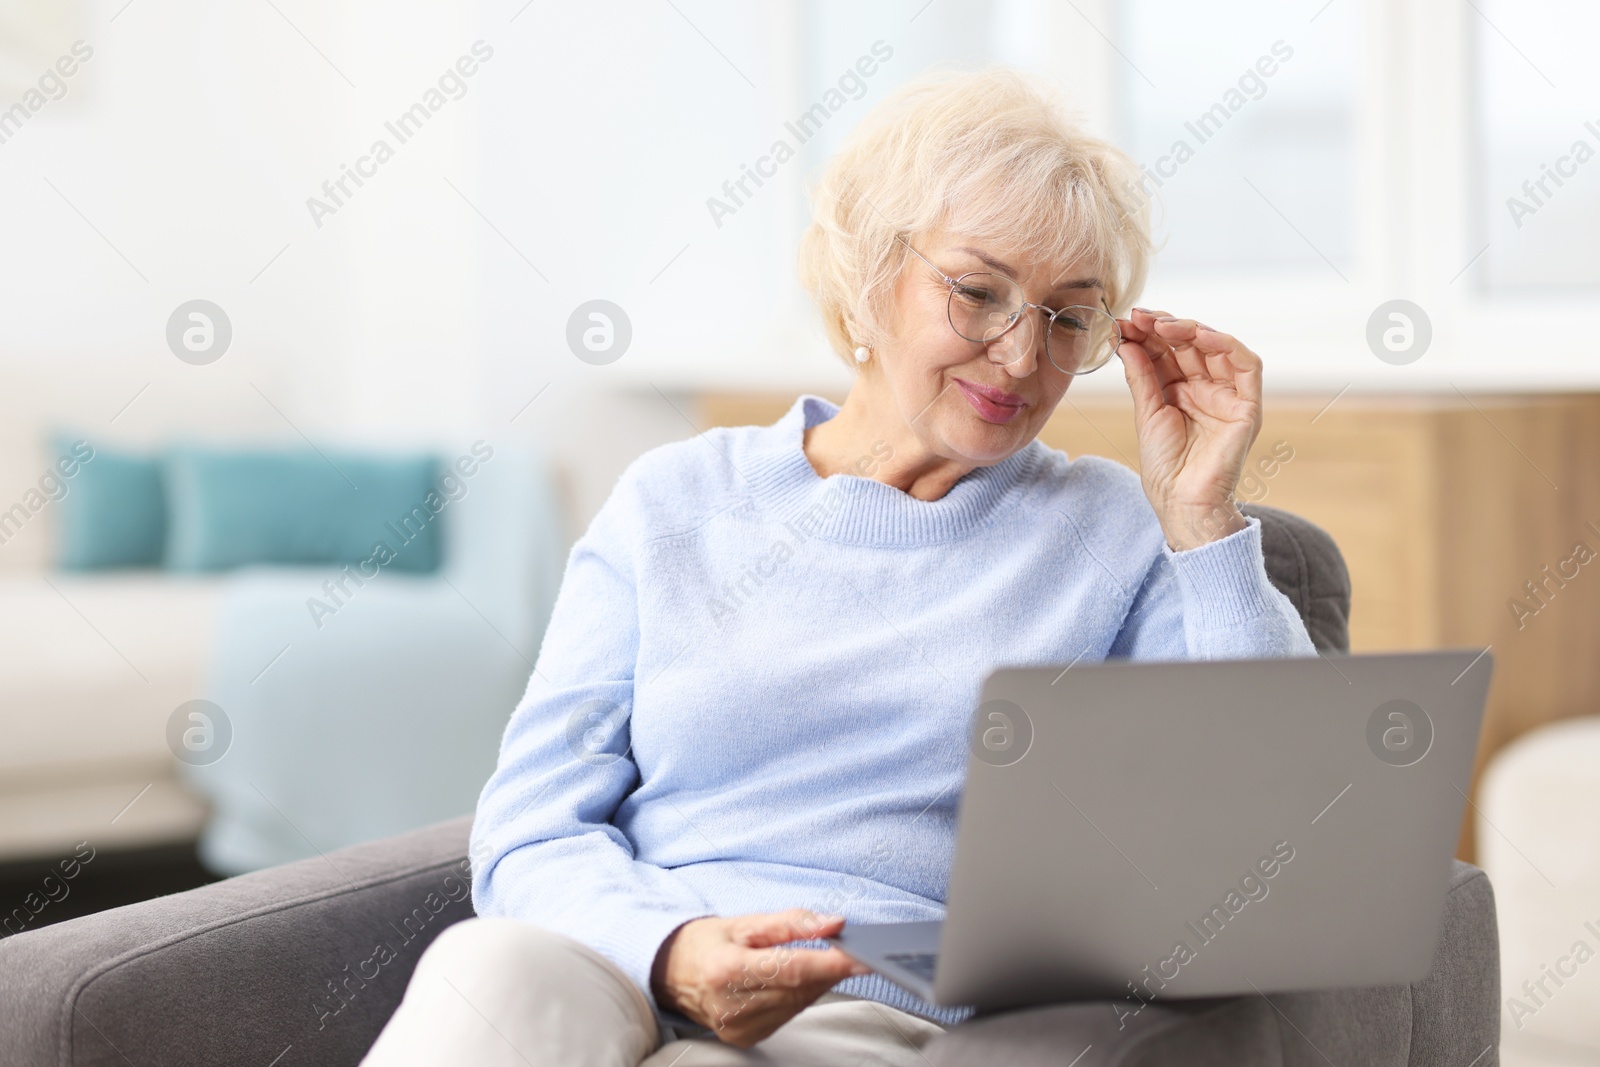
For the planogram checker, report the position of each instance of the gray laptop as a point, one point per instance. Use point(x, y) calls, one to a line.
point(1184, 829)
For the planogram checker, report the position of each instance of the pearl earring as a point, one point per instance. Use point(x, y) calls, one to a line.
point(862, 353)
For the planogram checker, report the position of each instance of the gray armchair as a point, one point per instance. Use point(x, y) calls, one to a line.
point(278, 967)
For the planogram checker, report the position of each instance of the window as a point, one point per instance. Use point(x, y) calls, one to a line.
point(1537, 111)
point(1243, 116)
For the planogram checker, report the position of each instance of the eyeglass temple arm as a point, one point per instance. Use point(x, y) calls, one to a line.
point(947, 279)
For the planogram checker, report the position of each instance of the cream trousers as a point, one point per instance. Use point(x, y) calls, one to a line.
point(494, 992)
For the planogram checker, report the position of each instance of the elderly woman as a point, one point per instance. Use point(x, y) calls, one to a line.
point(748, 722)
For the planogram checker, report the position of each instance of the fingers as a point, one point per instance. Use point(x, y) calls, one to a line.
point(799, 966)
point(1136, 327)
point(1225, 359)
point(773, 985)
point(784, 971)
point(775, 928)
point(1180, 335)
point(1144, 318)
point(742, 978)
point(1200, 352)
point(1147, 361)
point(1143, 381)
point(810, 967)
point(789, 967)
point(1155, 341)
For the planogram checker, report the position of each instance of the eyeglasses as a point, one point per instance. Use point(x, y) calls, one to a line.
point(985, 307)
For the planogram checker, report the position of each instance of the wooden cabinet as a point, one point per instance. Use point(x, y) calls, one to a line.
point(1450, 511)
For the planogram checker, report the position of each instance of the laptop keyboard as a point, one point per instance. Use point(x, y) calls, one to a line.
point(918, 963)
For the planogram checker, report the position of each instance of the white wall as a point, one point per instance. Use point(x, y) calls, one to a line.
point(190, 142)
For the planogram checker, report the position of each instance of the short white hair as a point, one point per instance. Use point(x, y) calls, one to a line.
point(991, 154)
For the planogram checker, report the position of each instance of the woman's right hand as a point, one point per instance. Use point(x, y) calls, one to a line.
point(738, 978)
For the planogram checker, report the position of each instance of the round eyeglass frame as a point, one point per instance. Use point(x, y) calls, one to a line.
point(1016, 315)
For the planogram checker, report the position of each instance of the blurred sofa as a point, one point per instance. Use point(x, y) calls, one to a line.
point(93, 667)
point(386, 714)
point(95, 663)
point(327, 744)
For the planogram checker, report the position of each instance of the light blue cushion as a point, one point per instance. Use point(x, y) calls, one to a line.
point(234, 508)
point(114, 513)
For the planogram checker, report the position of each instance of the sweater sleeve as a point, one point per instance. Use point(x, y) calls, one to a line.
point(1212, 602)
point(543, 846)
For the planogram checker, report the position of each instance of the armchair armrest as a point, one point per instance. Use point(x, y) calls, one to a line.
point(314, 954)
point(1304, 564)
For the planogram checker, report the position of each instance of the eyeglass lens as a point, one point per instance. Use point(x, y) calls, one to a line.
point(983, 307)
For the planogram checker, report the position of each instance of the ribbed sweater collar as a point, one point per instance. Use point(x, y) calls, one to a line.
point(850, 509)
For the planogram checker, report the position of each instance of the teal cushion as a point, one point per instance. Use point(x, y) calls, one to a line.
point(114, 513)
point(232, 508)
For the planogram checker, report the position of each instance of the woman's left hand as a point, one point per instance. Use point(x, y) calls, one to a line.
point(1197, 410)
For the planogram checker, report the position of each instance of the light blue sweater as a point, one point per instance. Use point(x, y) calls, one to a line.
point(755, 679)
